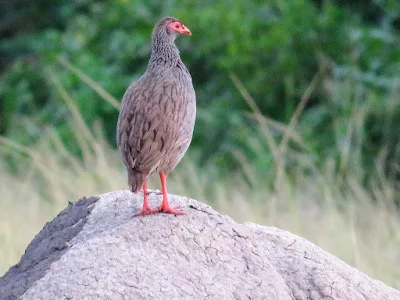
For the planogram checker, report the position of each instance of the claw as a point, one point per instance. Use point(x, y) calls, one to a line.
point(170, 210)
point(146, 211)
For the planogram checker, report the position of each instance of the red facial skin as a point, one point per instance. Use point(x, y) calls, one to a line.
point(179, 27)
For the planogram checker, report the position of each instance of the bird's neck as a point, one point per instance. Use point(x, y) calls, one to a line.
point(163, 54)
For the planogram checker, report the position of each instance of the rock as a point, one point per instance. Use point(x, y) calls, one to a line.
point(95, 249)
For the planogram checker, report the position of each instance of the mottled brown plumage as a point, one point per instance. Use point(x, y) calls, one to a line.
point(156, 120)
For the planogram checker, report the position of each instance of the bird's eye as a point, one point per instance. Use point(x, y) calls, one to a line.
point(177, 26)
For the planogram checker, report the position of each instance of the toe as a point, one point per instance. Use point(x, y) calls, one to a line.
point(170, 210)
point(146, 211)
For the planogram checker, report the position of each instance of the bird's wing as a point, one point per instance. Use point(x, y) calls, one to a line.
point(147, 127)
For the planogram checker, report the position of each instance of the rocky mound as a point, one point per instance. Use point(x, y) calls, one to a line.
point(94, 249)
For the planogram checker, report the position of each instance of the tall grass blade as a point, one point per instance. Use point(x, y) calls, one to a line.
point(90, 82)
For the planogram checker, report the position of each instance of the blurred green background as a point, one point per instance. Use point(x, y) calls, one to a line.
point(275, 48)
point(298, 114)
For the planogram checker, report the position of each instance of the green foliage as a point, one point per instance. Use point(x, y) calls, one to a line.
point(274, 47)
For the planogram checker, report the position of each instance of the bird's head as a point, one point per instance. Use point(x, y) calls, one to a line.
point(169, 28)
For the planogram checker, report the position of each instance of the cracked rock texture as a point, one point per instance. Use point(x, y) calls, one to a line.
point(95, 249)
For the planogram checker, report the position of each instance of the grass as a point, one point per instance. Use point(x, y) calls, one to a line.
point(335, 211)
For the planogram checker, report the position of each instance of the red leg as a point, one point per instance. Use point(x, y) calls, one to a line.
point(165, 204)
point(146, 210)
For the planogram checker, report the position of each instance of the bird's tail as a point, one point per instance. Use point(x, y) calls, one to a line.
point(136, 180)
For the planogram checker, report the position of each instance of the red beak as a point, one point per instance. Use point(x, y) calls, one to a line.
point(185, 30)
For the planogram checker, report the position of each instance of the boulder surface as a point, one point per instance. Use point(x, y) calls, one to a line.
point(95, 249)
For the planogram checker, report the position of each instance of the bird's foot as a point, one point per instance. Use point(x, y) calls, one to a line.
point(146, 211)
point(170, 210)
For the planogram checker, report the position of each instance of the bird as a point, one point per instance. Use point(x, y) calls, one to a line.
point(157, 116)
